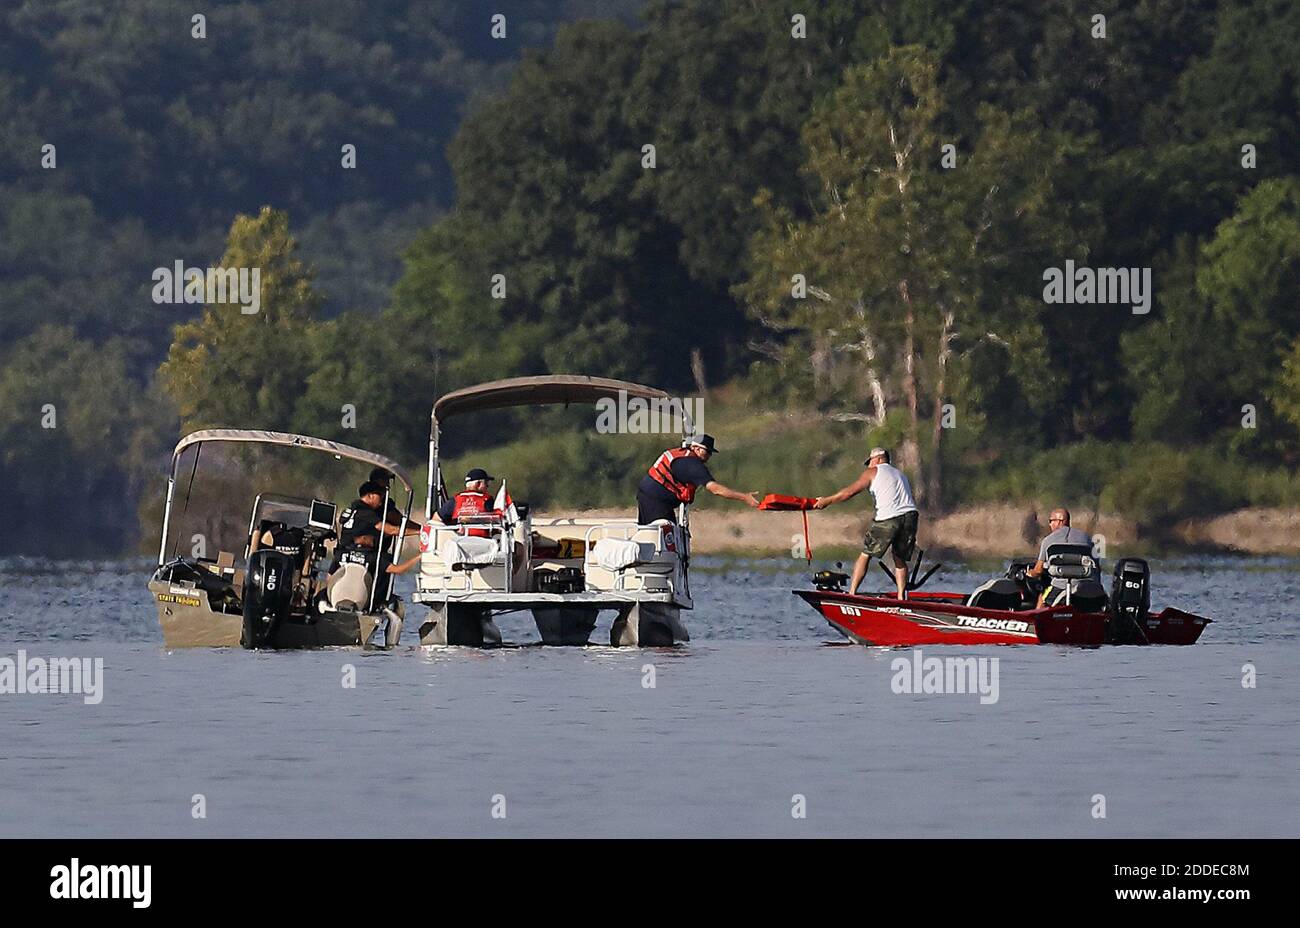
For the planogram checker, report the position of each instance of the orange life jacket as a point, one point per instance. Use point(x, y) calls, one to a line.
point(473, 503)
point(662, 472)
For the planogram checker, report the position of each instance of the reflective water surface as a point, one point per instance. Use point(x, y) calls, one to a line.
point(764, 712)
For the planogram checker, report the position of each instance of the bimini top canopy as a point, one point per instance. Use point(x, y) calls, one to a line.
point(537, 391)
point(258, 436)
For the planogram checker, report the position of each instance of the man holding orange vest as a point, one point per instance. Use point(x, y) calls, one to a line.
point(675, 476)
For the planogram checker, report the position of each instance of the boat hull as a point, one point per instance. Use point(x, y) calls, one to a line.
point(189, 621)
point(942, 618)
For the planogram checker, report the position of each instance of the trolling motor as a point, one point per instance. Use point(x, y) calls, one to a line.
point(830, 581)
point(1130, 601)
point(268, 595)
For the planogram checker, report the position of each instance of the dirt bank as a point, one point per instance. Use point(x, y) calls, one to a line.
point(1251, 531)
point(983, 531)
point(1001, 531)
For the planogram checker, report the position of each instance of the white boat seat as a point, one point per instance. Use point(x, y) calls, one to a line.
point(349, 587)
point(468, 551)
point(616, 553)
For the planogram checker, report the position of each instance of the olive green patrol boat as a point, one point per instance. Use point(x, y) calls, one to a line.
point(276, 591)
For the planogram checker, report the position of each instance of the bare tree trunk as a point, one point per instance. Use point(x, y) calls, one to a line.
point(867, 345)
point(935, 491)
point(819, 359)
point(877, 397)
point(697, 371)
point(910, 455)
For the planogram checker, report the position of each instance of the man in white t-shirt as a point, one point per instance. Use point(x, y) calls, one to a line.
point(895, 521)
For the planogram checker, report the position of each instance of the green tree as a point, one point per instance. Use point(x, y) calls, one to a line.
point(233, 369)
point(1220, 342)
point(900, 252)
point(78, 438)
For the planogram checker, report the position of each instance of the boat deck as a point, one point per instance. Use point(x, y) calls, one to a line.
point(603, 599)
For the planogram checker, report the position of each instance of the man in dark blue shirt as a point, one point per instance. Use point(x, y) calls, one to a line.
point(674, 478)
point(360, 529)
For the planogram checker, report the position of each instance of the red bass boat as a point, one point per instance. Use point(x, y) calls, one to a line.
point(1005, 611)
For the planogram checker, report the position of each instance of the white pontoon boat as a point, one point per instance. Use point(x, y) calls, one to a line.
point(564, 569)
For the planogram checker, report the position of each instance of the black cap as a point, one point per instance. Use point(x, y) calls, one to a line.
point(478, 473)
point(369, 487)
point(705, 442)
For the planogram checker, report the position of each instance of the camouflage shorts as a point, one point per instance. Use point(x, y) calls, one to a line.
point(898, 533)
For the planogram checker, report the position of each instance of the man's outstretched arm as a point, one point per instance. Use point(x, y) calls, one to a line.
point(852, 490)
point(717, 489)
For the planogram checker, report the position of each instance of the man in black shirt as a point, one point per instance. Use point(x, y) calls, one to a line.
point(384, 480)
point(674, 478)
point(360, 530)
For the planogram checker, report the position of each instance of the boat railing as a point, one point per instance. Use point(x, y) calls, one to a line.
point(503, 557)
point(666, 541)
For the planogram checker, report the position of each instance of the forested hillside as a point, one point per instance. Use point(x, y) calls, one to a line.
point(847, 215)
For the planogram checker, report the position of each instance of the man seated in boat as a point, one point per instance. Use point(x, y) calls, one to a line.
point(360, 528)
point(384, 480)
point(675, 476)
point(473, 504)
point(1060, 533)
point(895, 522)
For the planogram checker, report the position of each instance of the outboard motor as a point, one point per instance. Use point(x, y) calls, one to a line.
point(830, 581)
point(268, 593)
point(288, 540)
point(1130, 600)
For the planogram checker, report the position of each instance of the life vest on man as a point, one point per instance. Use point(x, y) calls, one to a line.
point(473, 503)
point(662, 472)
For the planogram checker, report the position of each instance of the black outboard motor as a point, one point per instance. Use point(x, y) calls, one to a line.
point(268, 593)
point(288, 540)
point(830, 581)
point(1130, 601)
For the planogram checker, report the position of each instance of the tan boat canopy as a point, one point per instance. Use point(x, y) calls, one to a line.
point(537, 391)
point(258, 436)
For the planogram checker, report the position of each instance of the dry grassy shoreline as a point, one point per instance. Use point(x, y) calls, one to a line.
point(984, 531)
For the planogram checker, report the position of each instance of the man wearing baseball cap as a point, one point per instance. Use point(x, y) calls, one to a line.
point(675, 476)
point(381, 477)
point(894, 524)
point(474, 500)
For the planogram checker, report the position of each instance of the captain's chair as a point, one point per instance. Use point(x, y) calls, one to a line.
point(1076, 565)
point(1000, 593)
point(482, 542)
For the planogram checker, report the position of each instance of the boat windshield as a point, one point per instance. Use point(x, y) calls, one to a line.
point(292, 512)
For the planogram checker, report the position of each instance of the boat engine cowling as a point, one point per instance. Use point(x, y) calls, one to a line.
point(830, 580)
point(1130, 600)
point(268, 594)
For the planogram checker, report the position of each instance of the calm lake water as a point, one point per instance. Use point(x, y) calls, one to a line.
point(763, 706)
